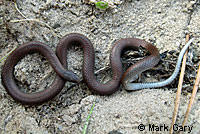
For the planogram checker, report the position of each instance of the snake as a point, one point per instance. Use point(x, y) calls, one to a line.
point(58, 62)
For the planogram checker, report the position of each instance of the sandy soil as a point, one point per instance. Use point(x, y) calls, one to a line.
point(163, 23)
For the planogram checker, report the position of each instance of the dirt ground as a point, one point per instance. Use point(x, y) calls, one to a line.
point(163, 23)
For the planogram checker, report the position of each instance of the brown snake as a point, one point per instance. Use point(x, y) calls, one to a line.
point(59, 63)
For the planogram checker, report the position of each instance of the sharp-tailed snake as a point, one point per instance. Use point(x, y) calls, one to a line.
point(59, 63)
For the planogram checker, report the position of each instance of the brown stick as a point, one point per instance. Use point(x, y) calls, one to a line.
point(179, 88)
point(194, 91)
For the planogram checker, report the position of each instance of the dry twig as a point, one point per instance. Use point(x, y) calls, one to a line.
point(194, 91)
point(177, 101)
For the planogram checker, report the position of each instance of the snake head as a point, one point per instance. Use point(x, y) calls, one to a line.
point(71, 77)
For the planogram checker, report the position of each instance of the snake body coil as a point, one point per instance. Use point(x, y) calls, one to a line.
point(127, 81)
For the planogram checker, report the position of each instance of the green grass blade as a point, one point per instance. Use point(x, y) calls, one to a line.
point(88, 119)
